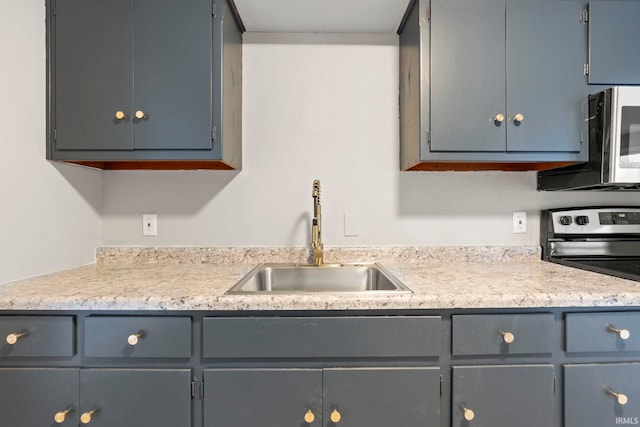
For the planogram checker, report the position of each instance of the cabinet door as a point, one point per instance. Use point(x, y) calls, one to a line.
point(173, 60)
point(31, 397)
point(601, 395)
point(262, 397)
point(467, 75)
point(613, 42)
point(93, 74)
point(503, 396)
point(382, 397)
point(136, 397)
point(545, 81)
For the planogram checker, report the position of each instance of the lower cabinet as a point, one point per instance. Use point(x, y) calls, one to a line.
point(601, 395)
point(36, 397)
point(350, 397)
point(503, 396)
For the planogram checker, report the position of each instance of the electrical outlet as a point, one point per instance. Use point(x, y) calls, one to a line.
point(149, 224)
point(519, 222)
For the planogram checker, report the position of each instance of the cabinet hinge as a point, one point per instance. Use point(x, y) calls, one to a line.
point(586, 69)
point(55, 134)
point(429, 14)
point(53, 7)
point(213, 8)
point(193, 388)
point(585, 16)
point(429, 135)
point(197, 388)
point(214, 132)
point(441, 385)
point(555, 381)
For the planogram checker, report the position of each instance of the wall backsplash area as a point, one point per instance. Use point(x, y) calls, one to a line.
point(319, 106)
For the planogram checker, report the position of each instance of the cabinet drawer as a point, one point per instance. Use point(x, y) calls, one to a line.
point(502, 334)
point(142, 336)
point(595, 332)
point(601, 395)
point(37, 336)
point(268, 337)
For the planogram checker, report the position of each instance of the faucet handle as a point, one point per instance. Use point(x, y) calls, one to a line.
point(316, 188)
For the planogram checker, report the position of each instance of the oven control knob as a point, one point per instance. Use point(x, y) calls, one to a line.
point(565, 220)
point(582, 220)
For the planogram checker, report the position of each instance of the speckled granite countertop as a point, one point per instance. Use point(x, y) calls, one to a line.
point(197, 279)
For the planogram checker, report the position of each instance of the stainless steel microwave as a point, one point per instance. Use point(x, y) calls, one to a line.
point(614, 146)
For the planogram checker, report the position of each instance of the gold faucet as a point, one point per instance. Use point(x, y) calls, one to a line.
point(316, 226)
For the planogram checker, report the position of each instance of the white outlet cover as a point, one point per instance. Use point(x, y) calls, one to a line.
point(519, 222)
point(149, 224)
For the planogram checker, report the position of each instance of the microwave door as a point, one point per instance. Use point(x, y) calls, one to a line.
point(628, 145)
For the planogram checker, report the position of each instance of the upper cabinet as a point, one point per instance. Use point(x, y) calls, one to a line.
point(614, 31)
point(145, 84)
point(482, 86)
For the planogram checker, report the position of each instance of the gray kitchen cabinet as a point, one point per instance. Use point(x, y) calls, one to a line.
point(135, 397)
point(350, 397)
point(481, 87)
point(37, 336)
point(603, 332)
point(503, 396)
point(614, 31)
point(136, 84)
point(35, 397)
point(601, 394)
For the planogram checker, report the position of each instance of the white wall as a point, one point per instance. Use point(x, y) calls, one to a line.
point(326, 107)
point(49, 213)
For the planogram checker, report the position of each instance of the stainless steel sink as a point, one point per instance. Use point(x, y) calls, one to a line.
point(304, 278)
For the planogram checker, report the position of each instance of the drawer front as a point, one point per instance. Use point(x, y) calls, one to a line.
point(603, 332)
point(155, 337)
point(503, 395)
point(266, 337)
point(37, 336)
point(502, 334)
point(601, 395)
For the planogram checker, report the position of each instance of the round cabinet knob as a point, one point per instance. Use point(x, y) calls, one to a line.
point(622, 399)
point(468, 414)
point(499, 118)
point(134, 339)
point(140, 114)
point(309, 417)
point(120, 115)
point(85, 418)
point(335, 416)
point(61, 416)
point(507, 337)
point(518, 117)
point(622, 333)
point(13, 338)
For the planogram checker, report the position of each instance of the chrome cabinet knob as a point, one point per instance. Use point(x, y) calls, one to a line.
point(622, 333)
point(140, 114)
point(507, 336)
point(14, 337)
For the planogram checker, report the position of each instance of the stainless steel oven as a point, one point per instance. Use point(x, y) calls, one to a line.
point(614, 146)
point(602, 239)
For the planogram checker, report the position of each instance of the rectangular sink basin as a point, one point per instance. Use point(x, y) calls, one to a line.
point(328, 278)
